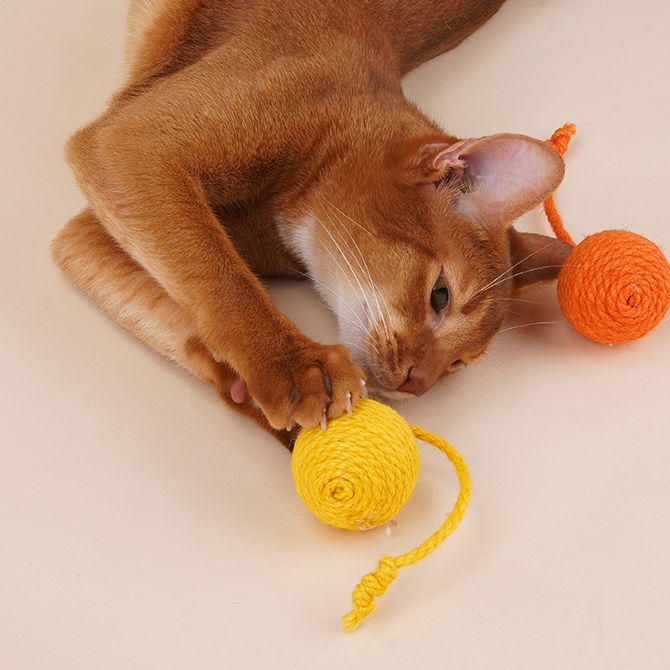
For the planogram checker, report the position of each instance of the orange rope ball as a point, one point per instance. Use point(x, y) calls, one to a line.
point(614, 287)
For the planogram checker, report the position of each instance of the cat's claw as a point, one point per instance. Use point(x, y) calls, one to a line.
point(323, 383)
point(364, 389)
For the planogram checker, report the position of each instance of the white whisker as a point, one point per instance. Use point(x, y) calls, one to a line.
point(367, 277)
point(322, 286)
point(379, 312)
point(519, 314)
point(530, 302)
point(337, 209)
point(488, 354)
point(526, 325)
point(516, 274)
point(364, 267)
point(501, 277)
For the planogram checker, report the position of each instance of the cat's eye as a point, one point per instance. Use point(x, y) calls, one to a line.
point(439, 296)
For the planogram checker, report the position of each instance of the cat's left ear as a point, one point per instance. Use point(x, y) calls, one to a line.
point(494, 179)
point(534, 258)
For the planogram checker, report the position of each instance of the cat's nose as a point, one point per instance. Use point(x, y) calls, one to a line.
point(414, 384)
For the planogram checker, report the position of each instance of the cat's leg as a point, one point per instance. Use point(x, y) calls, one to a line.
point(93, 260)
point(143, 168)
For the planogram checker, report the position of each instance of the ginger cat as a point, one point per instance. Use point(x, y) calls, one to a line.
point(271, 138)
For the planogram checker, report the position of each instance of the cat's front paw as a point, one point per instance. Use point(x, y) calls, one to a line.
point(313, 383)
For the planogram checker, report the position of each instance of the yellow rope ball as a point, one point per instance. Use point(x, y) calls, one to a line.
point(360, 471)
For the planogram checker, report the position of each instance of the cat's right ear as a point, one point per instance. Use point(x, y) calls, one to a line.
point(494, 179)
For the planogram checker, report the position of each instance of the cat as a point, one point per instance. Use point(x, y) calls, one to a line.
point(258, 139)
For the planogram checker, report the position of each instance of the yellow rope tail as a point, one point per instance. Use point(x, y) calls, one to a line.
point(375, 583)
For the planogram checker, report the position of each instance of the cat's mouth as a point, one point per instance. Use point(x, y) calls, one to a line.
point(414, 385)
point(376, 387)
point(394, 371)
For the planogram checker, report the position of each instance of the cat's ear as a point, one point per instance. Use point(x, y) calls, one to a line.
point(535, 258)
point(494, 179)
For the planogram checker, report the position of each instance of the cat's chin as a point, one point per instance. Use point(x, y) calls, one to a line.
point(388, 394)
point(378, 390)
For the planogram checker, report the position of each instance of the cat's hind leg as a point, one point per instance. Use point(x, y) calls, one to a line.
point(86, 253)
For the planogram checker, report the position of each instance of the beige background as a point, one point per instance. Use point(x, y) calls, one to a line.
point(145, 526)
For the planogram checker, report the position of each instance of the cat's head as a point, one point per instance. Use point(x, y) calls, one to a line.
point(419, 261)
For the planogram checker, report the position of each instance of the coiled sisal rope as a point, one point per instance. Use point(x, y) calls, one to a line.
point(614, 287)
point(358, 473)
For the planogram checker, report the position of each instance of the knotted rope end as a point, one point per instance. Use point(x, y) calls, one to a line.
point(372, 585)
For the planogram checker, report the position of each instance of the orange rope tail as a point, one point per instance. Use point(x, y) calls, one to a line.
point(559, 142)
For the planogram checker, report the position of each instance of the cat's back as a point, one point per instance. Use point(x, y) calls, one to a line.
point(164, 36)
point(170, 34)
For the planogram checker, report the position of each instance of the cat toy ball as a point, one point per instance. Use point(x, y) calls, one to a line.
point(614, 287)
point(358, 473)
